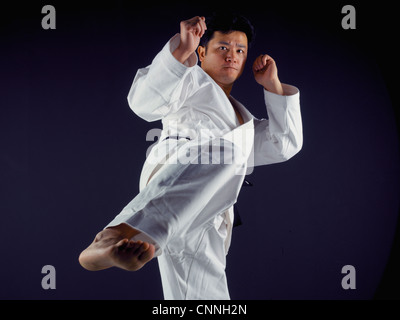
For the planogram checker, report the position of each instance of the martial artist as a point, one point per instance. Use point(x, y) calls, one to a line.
point(190, 181)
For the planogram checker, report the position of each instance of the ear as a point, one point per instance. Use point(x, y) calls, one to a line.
point(202, 52)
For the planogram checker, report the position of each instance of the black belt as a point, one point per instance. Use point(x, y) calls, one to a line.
point(237, 221)
point(177, 138)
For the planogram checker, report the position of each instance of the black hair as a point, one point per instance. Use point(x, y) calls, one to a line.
point(226, 22)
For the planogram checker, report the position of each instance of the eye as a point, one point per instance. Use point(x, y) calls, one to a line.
point(240, 51)
point(223, 48)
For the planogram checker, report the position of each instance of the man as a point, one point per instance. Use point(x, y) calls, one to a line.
point(183, 213)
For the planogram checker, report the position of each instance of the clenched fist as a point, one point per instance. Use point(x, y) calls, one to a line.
point(266, 73)
point(191, 32)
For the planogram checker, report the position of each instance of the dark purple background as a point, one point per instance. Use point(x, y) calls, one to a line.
point(72, 150)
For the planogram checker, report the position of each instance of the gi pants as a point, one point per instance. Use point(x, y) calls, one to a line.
point(186, 212)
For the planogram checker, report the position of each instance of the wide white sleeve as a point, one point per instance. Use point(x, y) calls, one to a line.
point(280, 137)
point(160, 88)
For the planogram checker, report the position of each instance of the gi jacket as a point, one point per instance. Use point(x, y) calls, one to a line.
point(195, 111)
point(190, 104)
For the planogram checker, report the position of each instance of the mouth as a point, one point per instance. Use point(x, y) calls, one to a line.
point(229, 67)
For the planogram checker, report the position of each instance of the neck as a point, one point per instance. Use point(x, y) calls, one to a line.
point(226, 88)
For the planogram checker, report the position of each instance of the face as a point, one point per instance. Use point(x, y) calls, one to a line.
point(225, 57)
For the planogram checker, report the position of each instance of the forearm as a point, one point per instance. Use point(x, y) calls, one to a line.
point(274, 86)
point(181, 55)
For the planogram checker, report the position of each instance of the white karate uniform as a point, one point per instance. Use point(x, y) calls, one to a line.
point(187, 192)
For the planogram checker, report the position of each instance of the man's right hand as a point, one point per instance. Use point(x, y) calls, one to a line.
point(191, 32)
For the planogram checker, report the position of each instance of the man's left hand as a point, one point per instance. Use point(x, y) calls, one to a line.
point(266, 74)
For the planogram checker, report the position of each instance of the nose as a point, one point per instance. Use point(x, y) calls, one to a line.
point(231, 57)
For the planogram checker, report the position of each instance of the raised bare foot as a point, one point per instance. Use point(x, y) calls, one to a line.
point(112, 248)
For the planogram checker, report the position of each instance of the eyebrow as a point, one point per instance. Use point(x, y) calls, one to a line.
point(228, 44)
